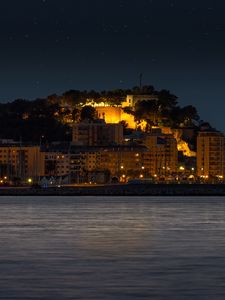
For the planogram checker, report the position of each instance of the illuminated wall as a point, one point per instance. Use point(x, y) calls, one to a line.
point(181, 145)
point(114, 115)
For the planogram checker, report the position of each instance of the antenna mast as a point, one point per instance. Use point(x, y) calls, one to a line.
point(140, 78)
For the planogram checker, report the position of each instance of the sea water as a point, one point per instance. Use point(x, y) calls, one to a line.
point(127, 248)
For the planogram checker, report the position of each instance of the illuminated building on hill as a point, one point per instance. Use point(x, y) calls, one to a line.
point(131, 100)
point(114, 115)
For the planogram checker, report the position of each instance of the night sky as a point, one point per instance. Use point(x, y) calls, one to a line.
point(50, 46)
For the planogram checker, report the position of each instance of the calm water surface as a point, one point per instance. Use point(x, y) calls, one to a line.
point(112, 248)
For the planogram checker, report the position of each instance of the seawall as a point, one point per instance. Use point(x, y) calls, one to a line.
point(123, 190)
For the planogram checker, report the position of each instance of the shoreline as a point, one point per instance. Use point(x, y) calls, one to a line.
point(122, 190)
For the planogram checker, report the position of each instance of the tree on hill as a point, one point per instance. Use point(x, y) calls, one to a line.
point(183, 116)
point(114, 97)
point(19, 106)
point(128, 110)
point(166, 100)
point(74, 97)
point(148, 90)
point(146, 110)
point(88, 113)
point(48, 116)
point(189, 113)
point(53, 99)
point(76, 114)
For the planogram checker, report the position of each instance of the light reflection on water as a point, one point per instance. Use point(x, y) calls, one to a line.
point(112, 248)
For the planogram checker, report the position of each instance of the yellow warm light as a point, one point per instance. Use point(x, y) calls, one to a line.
point(183, 146)
point(181, 168)
point(115, 114)
point(141, 176)
point(29, 180)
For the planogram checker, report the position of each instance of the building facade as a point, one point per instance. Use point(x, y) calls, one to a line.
point(115, 114)
point(56, 164)
point(211, 155)
point(97, 133)
point(122, 162)
point(163, 154)
point(125, 161)
point(21, 162)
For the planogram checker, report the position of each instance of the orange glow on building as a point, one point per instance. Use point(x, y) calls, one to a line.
point(115, 115)
point(181, 145)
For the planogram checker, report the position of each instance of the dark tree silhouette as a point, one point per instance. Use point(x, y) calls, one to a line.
point(89, 113)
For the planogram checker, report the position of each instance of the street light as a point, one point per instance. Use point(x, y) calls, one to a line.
point(41, 137)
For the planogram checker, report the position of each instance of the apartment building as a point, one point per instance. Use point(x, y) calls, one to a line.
point(211, 154)
point(163, 154)
point(56, 163)
point(97, 133)
point(20, 161)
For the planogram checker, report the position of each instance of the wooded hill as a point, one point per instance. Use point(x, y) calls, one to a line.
point(52, 116)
